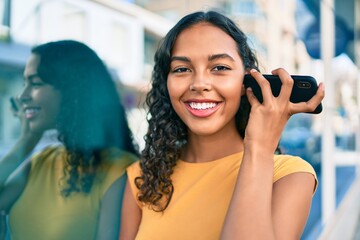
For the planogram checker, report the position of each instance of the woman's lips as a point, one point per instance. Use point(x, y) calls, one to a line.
point(31, 112)
point(202, 109)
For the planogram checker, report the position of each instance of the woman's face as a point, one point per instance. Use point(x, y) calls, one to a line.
point(39, 100)
point(206, 79)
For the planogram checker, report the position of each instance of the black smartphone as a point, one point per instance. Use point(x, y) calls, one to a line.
point(304, 88)
point(14, 106)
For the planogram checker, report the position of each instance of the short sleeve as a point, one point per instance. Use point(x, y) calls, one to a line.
point(286, 164)
point(114, 168)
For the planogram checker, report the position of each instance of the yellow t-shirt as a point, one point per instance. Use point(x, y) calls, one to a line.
point(41, 212)
point(202, 193)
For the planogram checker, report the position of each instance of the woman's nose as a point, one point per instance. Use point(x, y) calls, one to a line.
point(24, 96)
point(201, 82)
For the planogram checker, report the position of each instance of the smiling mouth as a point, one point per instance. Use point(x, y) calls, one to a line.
point(202, 109)
point(202, 106)
point(31, 112)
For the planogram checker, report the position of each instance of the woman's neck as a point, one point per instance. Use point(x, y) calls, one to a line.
point(211, 147)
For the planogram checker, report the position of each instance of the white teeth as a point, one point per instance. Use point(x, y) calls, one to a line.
point(202, 106)
point(31, 110)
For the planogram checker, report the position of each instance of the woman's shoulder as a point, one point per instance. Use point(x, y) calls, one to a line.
point(133, 170)
point(287, 164)
point(118, 157)
point(47, 153)
point(113, 167)
point(289, 160)
point(50, 150)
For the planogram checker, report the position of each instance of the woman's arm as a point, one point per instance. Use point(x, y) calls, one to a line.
point(15, 165)
point(109, 221)
point(20, 151)
point(292, 196)
point(3, 227)
point(14, 158)
point(250, 212)
point(14, 186)
point(260, 209)
point(14, 171)
point(130, 216)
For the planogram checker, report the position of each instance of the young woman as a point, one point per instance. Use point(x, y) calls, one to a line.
point(71, 191)
point(208, 170)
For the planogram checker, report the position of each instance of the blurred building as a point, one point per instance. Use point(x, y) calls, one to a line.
point(123, 34)
point(117, 30)
point(270, 26)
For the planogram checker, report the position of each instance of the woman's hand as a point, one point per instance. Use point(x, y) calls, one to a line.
point(257, 202)
point(28, 136)
point(268, 119)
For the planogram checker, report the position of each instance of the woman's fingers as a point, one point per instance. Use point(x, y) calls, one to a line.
point(287, 84)
point(264, 85)
point(310, 105)
point(283, 100)
point(251, 97)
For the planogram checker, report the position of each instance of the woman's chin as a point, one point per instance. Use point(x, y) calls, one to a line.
point(37, 127)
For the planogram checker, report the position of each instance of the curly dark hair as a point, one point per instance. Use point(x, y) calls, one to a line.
point(91, 116)
point(167, 133)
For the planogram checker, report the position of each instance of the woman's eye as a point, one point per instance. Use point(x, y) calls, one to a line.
point(221, 68)
point(181, 70)
point(36, 84)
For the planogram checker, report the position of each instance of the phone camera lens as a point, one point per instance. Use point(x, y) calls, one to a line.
point(303, 85)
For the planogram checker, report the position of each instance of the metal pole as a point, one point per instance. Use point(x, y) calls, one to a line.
point(357, 62)
point(328, 141)
point(6, 21)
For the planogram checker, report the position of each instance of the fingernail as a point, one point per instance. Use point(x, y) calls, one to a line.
point(322, 86)
point(253, 70)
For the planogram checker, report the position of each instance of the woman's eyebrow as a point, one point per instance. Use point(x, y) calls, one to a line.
point(210, 58)
point(180, 58)
point(219, 56)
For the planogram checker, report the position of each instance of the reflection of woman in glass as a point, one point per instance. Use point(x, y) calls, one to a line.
point(208, 170)
point(71, 191)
